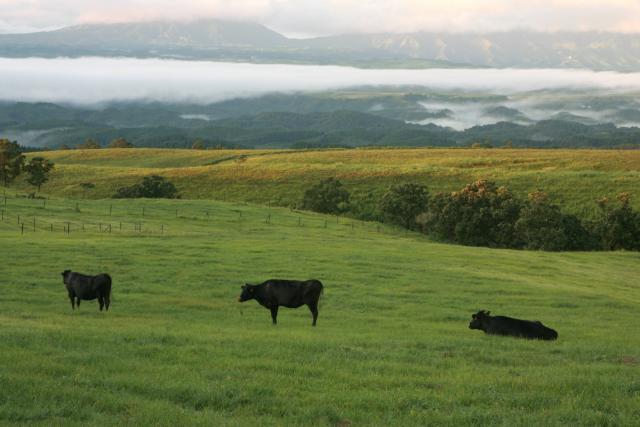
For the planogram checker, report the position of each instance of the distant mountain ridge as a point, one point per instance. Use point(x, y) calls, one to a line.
point(236, 41)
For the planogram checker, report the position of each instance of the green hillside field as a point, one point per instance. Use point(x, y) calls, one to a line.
point(392, 345)
point(575, 179)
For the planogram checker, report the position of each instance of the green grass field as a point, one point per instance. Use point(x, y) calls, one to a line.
point(573, 178)
point(392, 346)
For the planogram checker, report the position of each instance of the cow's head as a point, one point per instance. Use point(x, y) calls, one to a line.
point(65, 275)
point(476, 319)
point(247, 292)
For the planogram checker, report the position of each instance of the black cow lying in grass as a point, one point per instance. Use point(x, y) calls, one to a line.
point(82, 287)
point(502, 325)
point(287, 293)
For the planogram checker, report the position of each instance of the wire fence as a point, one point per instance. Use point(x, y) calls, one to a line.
point(25, 216)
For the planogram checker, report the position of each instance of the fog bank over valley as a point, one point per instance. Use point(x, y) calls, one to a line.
point(94, 80)
point(171, 103)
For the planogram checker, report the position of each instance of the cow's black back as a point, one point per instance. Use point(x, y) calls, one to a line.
point(509, 326)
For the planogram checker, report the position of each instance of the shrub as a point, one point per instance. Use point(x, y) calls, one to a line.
point(328, 196)
point(152, 187)
point(89, 144)
point(120, 143)
point(403, 203)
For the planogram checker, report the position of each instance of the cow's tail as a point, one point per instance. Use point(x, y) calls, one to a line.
point(321, 291)
point(108, 285)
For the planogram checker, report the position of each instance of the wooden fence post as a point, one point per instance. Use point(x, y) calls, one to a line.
point(22, 232)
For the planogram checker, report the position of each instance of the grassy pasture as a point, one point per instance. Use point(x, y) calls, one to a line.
point(573, 178)
point(392, 345)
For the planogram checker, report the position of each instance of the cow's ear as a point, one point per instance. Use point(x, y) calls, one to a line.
point(473, 316)
point(488, 313)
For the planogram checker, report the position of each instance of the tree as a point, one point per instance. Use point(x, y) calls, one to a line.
point(543, 226)
point(328, 196)
point(403, 203)
point(11, 161)
point(618, 227)
point(481, 214)
point(89, 144)
point(38, 169)
point(198, 144)
point(120, 143)
point(151, 187)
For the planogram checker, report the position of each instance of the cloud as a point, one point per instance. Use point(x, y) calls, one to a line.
point(320, 17)
point(100, 80)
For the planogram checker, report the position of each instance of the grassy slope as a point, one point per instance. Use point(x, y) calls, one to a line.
point(281, 177)
point(392, 345)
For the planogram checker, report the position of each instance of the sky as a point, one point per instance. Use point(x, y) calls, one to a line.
point(307, 18)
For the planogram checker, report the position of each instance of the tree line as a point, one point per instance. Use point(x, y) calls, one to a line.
point(485, 214)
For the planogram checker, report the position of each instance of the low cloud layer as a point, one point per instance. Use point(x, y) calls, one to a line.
point(88, 81)
point(322, 17)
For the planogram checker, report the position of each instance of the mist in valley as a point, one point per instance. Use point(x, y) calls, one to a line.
point(139, 93)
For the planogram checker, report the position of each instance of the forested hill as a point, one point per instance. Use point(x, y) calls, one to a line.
point(50, 125)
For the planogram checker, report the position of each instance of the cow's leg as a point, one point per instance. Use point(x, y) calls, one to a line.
point(78, 302)
point(101, 302)
point(314, 312)
point(274, 314)
point(73, 305)
point(107, 301)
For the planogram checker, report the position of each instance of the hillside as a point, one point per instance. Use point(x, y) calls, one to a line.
point(392, 345)
point(236, 41)
point(574, 178)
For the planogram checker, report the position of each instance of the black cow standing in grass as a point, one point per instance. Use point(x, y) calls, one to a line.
point(82, 287)
point(287, 293)
point(502, 325)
